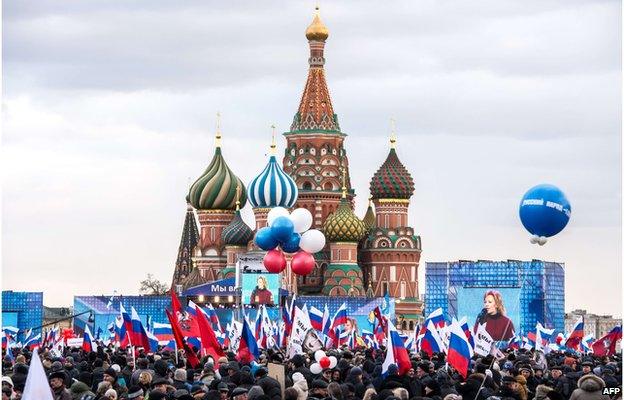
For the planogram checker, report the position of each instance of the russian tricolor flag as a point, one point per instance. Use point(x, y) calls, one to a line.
point(459, 351)
point(395, 353)
point(436, 317)
point(340, 317)
point(247, 347)
point(316, 318)
point(467, 332)
point(431, 341)
point(88, 344)
point(576, 336)
point(138, 334)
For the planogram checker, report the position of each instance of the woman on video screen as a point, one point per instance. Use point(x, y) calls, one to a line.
point(493, 316)
point(261, 294)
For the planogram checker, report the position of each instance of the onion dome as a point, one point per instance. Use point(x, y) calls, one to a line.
point(392, 180)
point(215, 189)
point(273, 187)
point(237, 232)
point(343, 225)
point(369, 218)
point(195, 278)
point(317, 29)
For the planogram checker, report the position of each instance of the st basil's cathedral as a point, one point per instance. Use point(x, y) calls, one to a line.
point(373, 256)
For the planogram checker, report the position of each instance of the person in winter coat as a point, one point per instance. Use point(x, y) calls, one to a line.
point(470, 388)
point(589, 388)
point(271, 386)
point(541, 391)
point(522, 388)
point(57, 383)
point(301, 385)
point(79, 390)
point(508, 389)
point(354, 377)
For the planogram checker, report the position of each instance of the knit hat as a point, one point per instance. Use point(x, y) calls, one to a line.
point(297, 376)
point(179, 375)
point(134, 392)
point(255, 392)
point(57, 374)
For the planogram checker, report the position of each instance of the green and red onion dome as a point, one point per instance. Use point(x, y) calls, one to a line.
point(392, 180)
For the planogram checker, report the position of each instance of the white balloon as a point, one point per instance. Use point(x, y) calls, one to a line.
point(316, 368)
point(276, 212)
point(319, 354)
point(302, 219)
point(332, 362)
point(542, 240)
point(534, 239)
point(312, 241)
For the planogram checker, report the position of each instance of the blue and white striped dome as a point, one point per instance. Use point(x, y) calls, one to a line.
point(272, 188)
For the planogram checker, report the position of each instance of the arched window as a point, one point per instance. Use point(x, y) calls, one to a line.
point(328, 186)
point(307, 186)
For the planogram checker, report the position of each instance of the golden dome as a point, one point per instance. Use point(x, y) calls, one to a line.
point(317, 29)
point(343, 225)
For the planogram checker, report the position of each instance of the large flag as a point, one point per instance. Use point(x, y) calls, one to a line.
point(459, 351)
point(33, 342)
point(88, 344)
point(177, 334)
point(138, 335)
point(469, 335)
point(605, 346)
point(287, 315)
point(395, 353)
point(575, 337)
point(542, 336)
point(431, 342)
point(326, 325)
point(247, 346)
point(316, 318)
point(436, 317)
point(209, 343)
point(127, 323)
point(37, 386)
point(213, 317)
point(586, 344)
point(340, 318)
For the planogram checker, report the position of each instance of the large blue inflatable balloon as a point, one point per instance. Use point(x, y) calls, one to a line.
point(282, 228)
point(292, 244)
point(544, 211)
point(265, 240)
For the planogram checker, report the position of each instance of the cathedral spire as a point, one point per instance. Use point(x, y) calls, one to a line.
point(316, 112)
point(218, 133)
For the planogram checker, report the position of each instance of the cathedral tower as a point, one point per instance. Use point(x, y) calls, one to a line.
point(315, 153)
point(214, 197)
point(391, 251)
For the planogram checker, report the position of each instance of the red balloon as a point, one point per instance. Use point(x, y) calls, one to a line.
point(302, 263)
point(324, 362)
point(274, 261)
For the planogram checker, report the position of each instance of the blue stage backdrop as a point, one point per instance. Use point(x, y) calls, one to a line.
point(24, 310)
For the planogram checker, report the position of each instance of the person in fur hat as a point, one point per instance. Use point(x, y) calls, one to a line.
point(589, 388)
point(541, 391)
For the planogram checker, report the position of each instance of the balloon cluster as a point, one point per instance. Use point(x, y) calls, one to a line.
point(541, 240)
point(292, 233)
point(322, 362)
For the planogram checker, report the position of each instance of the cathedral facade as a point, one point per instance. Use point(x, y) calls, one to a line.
point(373, 256)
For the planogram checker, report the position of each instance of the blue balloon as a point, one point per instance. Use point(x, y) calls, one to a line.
point(292, 244)
point(265, 240)
point(545, 210)
point(282, 229)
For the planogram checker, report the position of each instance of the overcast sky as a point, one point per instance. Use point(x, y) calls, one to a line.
point(109, 111)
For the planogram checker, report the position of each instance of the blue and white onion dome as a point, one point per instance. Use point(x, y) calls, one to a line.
point(273, 187)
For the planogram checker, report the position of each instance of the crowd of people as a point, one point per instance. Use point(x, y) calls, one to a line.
point(112, 374)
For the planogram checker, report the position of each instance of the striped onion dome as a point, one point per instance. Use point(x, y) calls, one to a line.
point(215, 189)
point(272, 188)
point(343, 225)
point(392, 180)
point(237, 232)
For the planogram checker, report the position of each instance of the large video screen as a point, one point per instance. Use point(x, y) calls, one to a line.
point(260, 289)
point(498, 308)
